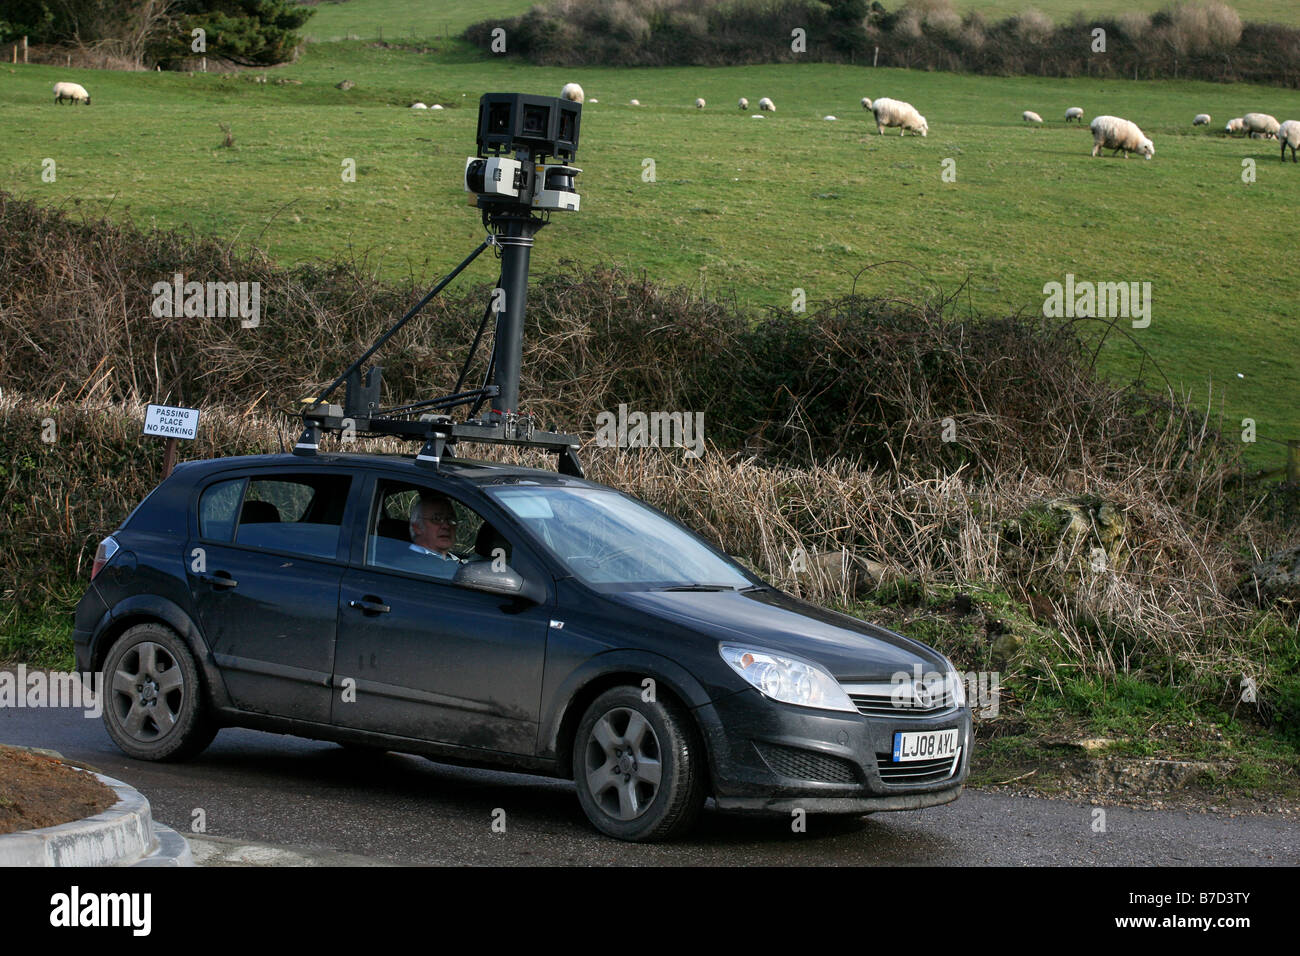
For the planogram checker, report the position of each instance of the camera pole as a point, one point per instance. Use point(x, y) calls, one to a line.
point(515, 231)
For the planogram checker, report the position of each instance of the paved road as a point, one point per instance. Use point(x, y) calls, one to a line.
point(282, 790)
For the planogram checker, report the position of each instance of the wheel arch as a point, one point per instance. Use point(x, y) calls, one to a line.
point(152, 609)
point(625, 669)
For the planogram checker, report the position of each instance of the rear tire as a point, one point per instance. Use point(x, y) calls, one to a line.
point(638, 767)
point(154, 706)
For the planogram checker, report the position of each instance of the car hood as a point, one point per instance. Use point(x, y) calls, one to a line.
point(765, 617)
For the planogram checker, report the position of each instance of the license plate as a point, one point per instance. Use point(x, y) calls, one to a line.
point(924, 745)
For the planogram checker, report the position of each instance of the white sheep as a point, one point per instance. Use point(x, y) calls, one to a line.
point(1201, 119)
point(572, 92)
point(72, 92)
point(699, 103)
point(766, 105)
point(1261, 124)
point(594, 100)
point(1289, 134)
point(1074, 113)
point(1237, 125)
point(1029, 116)
point(1121, 135)
point(436, 106)
point(418, 106)
point(893, 113)
point(743, 104)
point(633, 102)
point(831, 118)
point(866, 102)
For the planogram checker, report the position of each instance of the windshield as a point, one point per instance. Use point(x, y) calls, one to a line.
point(613, 542)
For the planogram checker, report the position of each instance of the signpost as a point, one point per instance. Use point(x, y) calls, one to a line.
point(171, 422)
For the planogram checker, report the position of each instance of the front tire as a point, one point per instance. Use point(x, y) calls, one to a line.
point(638, 767)
point(153, 696)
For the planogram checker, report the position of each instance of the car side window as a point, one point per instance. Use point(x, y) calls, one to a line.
point(219, 509)
point(301, 514)
point(446, 533)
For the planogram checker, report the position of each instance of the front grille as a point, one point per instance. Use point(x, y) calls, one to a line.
point(807, 764)
point(899, 700)
point(917, 771)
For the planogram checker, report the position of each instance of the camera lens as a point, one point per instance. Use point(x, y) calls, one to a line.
point(474, 174)
point(560, 180)
point(536, 119)
point(499, 118)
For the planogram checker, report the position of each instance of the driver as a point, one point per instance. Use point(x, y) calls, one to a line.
point(433, 532)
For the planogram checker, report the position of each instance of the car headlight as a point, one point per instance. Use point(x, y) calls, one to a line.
point(957, 684)
point(786, 679)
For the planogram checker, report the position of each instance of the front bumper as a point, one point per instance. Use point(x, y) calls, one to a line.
point(768, 756)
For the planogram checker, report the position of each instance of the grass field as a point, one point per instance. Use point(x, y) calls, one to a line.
point(395, 19)
point(1268, 11)
point(739, 206)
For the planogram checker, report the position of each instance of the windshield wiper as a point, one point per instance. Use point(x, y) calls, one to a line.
point(699, 587)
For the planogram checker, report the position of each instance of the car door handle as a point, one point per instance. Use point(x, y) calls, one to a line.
point(219, 580)
point(370, 607)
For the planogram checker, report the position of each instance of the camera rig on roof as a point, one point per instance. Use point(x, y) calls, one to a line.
point(518, 177)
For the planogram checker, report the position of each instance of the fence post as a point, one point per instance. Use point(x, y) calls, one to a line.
point(24, 49)
point(1293, 462)
point(875, 56)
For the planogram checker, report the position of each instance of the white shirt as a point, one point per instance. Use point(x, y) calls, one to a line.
point(421, 549)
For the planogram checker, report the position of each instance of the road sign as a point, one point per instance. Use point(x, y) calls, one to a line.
point(170, 421)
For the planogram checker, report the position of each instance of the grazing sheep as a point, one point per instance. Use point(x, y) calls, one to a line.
point(1074, 113)
point(1201, 119)
point(1289, 134)
point(831, 118)
point(436, 106)
point(767, 105)
point(743, 104)
point(72, 92)
point(594, 100)
point(1029, 116)
point(1261, 124)
point(418, 106)
point(893, 113)
point(758, 116)
point(1237, 125)
point(1121, 135)
point(866, 102)
point(699, 103)
point(633, 102)
point(572, 92)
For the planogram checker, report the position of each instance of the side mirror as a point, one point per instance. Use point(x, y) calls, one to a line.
point(480, 576)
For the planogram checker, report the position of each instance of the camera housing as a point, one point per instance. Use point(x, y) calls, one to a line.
point(542, 125)
point(533, 129)
point(498, 176)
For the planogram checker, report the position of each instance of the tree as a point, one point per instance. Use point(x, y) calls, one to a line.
point(247, 32)
point(35, 19)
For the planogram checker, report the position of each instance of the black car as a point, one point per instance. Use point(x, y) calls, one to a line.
point(566, 629)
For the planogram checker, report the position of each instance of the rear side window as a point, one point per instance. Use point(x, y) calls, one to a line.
point(219, 509)
point(301, 514)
